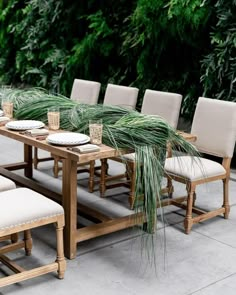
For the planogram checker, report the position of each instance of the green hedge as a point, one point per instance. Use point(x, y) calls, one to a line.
point(157, 44)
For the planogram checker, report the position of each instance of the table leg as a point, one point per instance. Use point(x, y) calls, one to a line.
point(28, 160)
point(69, 201)
point(104, 168)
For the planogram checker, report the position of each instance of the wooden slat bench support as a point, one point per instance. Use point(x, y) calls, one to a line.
point(16, 166)
point(89, 212)
point(11, 264)
point(107, 227)
point(29, 274)
point(12, 247)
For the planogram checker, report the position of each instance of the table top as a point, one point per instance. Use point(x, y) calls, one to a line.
point(64, 152)
point(61, 151)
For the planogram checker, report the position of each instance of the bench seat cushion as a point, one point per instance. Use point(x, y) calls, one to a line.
point(22, 205)
point(6, 184)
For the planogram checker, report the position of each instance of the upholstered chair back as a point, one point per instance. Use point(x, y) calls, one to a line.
point(163, 104)
point(214, 123)
point(85, 91)
point(121, 96)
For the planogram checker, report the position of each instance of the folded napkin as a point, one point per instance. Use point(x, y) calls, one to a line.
point(37, 132)
point(3, 119)
point(86, 148)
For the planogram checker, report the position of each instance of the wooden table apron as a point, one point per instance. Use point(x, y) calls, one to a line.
point(72, 235)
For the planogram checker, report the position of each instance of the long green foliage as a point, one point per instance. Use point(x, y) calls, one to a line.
point(146, 135)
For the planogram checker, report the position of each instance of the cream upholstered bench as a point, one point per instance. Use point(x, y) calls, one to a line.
point(22, 209)
point(6, 184)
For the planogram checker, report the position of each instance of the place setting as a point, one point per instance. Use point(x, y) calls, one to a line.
point(76, 142)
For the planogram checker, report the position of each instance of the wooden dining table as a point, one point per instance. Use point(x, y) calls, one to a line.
point(103, 224)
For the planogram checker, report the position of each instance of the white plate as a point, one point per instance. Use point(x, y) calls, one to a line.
point(1, 113)
point(24, 125)
point(68, 138)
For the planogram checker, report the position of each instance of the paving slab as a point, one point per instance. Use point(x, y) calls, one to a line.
point(224, 286)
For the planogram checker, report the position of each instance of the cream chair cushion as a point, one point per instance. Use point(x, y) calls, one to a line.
point(129, 157)
point(24, 206)
point(6, 184)
point(193, 168)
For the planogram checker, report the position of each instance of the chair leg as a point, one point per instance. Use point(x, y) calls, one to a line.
point(35, 160)
point(188, 221)
point(170, 188)
point(226, 197)
point(56, 167)
point(106, 167)
point(28, 242)
point(14, 237)
point(60, 251)
point(127, 172)
point(194, 198)
point(91, 176)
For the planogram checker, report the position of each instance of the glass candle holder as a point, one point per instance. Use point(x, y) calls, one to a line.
point(53, 118)
point(7, 107)
point(95, 131)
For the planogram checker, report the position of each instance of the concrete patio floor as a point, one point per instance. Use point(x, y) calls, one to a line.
point(201, 263)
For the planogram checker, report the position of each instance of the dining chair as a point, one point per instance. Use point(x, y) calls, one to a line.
point(83, 91)
point(22, 209)
point(214, 124)
point(164, 104)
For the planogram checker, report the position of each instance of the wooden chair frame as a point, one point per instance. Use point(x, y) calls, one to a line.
point(91, 170)
point(214, 124)
point(190, 199)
